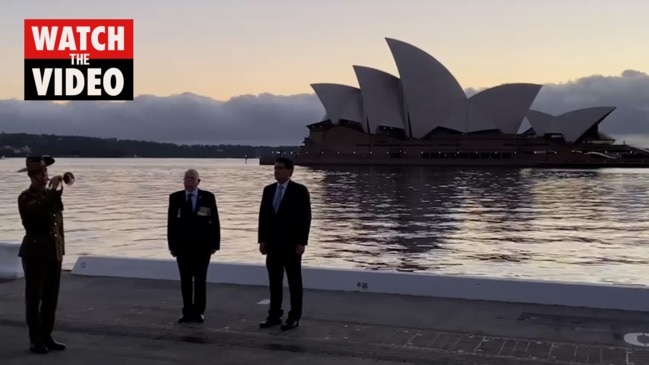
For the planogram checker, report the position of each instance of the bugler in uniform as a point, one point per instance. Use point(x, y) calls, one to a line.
point(42, 251)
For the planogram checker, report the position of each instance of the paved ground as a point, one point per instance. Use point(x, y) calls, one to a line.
point(105, 320)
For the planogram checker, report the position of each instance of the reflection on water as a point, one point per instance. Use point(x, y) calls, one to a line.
point(578, 225)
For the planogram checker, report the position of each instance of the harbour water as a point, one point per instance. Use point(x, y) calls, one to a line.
point(575, 225)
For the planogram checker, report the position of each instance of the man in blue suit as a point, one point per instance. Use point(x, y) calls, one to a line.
point(283, 234)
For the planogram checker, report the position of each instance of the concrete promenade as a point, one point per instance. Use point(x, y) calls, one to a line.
point(106, 320)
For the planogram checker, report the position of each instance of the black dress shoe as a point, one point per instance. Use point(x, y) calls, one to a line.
point(270, 322)
point(38, 348)
point(54, 346)
point(290, 324)
point(199, 318)
point(185, 318)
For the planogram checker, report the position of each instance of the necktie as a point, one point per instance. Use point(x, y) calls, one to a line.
point(278, 197)
point(189, 205)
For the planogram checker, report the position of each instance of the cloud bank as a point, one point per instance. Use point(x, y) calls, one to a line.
point(272, 120)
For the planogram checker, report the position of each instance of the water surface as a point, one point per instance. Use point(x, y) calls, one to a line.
point(577, 225)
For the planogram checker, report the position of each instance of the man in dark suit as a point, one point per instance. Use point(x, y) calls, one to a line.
point(193, 235)
point(283, 234)
point(42, 251)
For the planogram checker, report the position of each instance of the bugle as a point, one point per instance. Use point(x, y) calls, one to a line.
point(67, 178)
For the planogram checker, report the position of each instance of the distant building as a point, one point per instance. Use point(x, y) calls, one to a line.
point(424, 118)
point(426, 99)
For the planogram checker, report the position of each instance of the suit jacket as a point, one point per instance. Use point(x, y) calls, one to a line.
point(197, 231)
point(291, 224)
point(41, 213)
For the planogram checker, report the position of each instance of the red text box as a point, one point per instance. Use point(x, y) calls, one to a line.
point(63, 38)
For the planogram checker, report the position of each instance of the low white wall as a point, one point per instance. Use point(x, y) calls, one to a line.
point(462, 287)
point(10, 264)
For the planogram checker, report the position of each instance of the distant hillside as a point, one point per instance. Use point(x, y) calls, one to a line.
point(22, 144)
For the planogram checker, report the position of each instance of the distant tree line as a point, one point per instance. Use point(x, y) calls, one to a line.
point(22, 144)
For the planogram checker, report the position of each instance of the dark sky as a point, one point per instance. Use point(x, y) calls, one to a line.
point(270, 119)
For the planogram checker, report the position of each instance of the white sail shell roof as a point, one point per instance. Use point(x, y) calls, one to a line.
point(506, 104)
point(382, 98)
point(572, 125)
point(430, 91)
point(341, 102)
point(435, 99)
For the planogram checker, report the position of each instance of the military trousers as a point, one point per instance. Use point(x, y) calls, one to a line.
point(42, 281)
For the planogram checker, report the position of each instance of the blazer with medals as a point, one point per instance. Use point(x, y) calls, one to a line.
point(290, 225)
point(196, 231)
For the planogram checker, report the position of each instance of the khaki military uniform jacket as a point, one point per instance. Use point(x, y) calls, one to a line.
point(41, 213)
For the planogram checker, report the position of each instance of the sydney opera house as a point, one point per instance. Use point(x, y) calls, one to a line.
point(423, 117)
